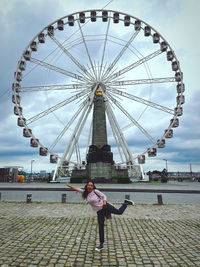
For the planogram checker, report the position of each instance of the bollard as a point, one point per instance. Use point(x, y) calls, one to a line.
point(127, 197)
point(63, 200)
point(28, 198)
point(160, 202)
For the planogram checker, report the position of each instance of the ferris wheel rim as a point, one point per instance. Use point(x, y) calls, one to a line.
point(99, 10)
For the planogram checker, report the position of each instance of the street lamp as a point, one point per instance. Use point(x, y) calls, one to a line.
point(166, 164)
point(32, 168)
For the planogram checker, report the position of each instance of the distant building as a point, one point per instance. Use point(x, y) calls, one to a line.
point(10, 173)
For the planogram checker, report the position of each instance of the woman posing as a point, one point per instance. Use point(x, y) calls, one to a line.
point(99, 204)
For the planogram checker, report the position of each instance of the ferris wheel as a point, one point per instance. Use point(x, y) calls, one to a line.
point(64, 64)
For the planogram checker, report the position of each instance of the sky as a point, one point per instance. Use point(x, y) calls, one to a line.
point(176, 20)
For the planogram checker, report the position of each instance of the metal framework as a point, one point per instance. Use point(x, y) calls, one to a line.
point(86, 50)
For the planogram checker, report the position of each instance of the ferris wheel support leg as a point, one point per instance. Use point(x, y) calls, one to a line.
point(85, 111)
point(67, 126)
point(142, 172)
point(112, 122)
point(117, 140)
point(79, 126)
point(76, 138)
point(128, 154)
point(55, 174)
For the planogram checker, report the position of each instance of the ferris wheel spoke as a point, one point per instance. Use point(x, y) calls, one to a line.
point(118, 132)
point(68, 125)
point(120, 54)
point(52, 87)
point(54, 108)
point(134, 65)
point(104, 47)
point(131, 118)
point(143, 101)
point(57, 69)
point(85, 44)
point(71, 57)
point(142, 81)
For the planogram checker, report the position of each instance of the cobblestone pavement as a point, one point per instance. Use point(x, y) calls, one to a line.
point(43, 234)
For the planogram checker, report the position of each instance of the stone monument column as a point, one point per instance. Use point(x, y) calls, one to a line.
point(99, 133)
point(100, 162)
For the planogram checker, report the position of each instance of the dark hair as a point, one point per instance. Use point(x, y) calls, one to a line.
point(85, 192)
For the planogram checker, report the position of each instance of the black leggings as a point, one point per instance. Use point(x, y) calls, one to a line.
point(101, 217)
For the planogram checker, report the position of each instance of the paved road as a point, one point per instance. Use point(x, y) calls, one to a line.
point(55, 234)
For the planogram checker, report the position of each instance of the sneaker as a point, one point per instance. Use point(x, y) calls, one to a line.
point(100, 247)
point(129, 202)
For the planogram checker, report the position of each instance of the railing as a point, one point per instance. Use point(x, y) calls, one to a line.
point(27, 194)
point(103, 189)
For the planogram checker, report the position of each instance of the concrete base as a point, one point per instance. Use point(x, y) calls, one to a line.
point(105, 170)
point(101, 172)
point(100, 169)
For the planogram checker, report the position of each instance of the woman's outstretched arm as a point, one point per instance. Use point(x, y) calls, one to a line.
point(72, 186)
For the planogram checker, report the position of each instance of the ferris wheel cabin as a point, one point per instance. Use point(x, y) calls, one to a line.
point(16, 99)
point(53, 158)
point(82, 17)
point(178, 76)
point(147, 31)
point(161, 143)
point(104, 16)
point(180, 99)
point(27, 132)
point(93, 15)
point(156, 38)
point(71, 20)
point(137, 25)
point(21, 122)
point(178, 111)
point(22, 65)
point(17, 110)
point(33, 46)
point(169, 133)
point(180, 88)
point(141, 159)
point(18, 76)
point(50, 30)
point(116, 17)
point(41, 38)
point(163, 46)
point(16, 87)
point(152, 152)
point(34, 142)
point(27, 55)
point(60, 25)
point(174, 122)
point(170, 55)
point(174, 65)
point(127, 20)
point(43, 151)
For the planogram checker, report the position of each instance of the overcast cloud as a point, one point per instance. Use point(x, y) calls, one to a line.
point(176, 20)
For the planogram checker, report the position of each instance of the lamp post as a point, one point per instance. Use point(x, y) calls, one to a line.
point(166, 164)
point(32, 168)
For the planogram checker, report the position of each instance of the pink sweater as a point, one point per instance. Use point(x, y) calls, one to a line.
point(94, 200)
